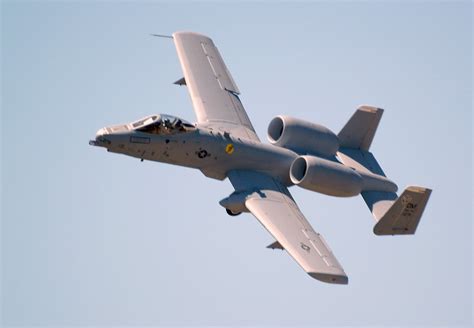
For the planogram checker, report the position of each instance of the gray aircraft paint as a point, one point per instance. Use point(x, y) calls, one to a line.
point(224, 144)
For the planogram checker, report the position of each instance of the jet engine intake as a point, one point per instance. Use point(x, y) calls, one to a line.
point(335, 179)
point(302, 137)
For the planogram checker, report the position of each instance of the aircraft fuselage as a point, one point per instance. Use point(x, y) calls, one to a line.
point(214, 153)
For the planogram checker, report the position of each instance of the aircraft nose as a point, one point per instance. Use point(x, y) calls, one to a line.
point(100, 140)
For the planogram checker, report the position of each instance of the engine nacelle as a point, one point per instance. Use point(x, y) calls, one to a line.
point(335, 179)
point(302, 136)
point(326, 177)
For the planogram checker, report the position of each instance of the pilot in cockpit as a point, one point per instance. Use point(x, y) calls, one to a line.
point(165, 124)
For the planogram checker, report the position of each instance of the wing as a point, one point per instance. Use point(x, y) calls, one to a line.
point(214, 94)
point(271, 203)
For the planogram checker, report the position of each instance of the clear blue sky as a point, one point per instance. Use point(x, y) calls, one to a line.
point(92, 238)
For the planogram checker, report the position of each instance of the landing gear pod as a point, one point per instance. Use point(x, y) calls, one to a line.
point(229, 212)
point(235, 203)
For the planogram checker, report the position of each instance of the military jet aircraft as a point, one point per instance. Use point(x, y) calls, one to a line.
point(223, 144)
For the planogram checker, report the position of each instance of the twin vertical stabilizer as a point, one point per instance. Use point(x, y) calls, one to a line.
point(394, 215)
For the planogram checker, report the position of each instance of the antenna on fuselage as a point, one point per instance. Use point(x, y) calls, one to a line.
point(162, 36)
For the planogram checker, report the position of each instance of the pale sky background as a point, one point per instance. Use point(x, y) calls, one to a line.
point(99, 239)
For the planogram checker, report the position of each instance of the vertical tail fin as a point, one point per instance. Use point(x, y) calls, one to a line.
point(359, 131)
point(404, 214)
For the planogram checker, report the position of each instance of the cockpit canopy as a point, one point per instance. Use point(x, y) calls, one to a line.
point(162, 124)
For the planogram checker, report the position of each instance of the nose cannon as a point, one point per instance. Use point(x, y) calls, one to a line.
point(100, 139)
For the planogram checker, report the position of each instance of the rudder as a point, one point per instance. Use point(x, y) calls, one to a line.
point(403, 216)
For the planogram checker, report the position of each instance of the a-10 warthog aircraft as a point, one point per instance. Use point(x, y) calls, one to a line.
point(223, 144)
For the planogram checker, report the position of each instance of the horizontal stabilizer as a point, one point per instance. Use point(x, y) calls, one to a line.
point(404, 214)
point(359, 131)
point(275, 245)
point(394, 215)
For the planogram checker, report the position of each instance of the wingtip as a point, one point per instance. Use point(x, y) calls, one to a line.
point(330, 278)
point(178, 34)
point(370, 109)
point(419, 189)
